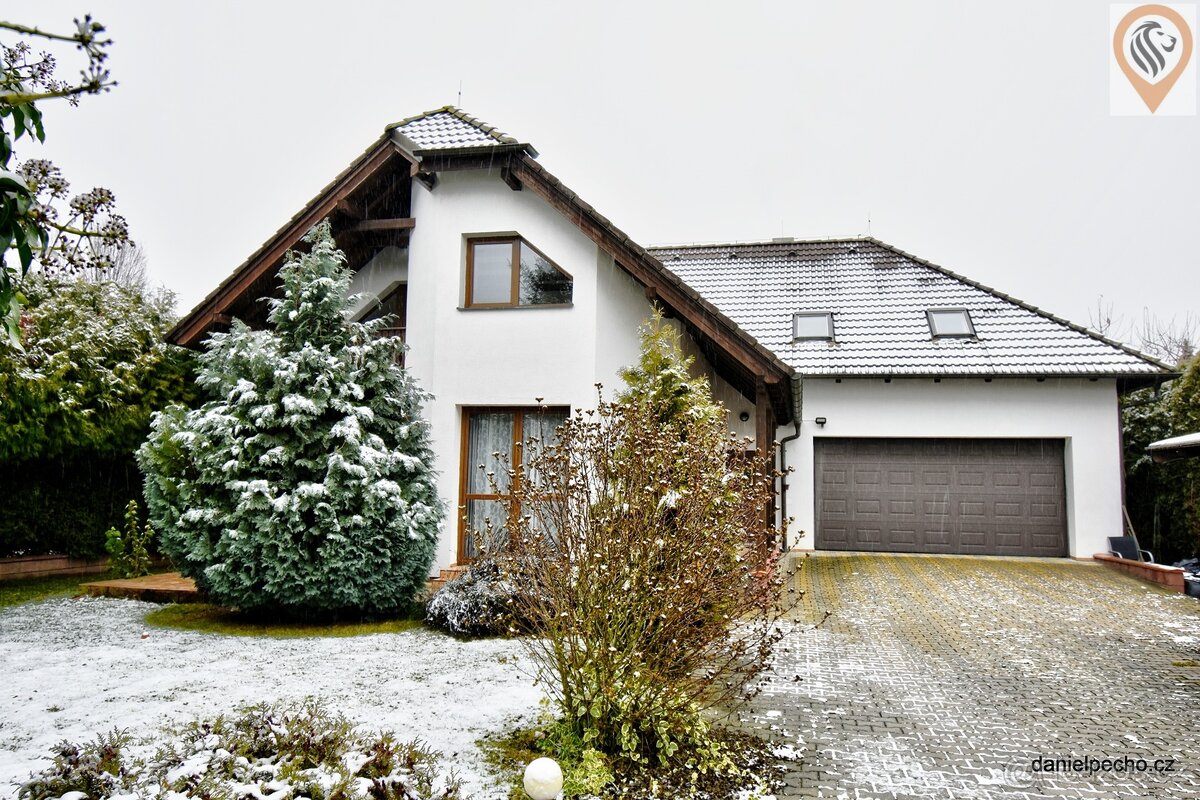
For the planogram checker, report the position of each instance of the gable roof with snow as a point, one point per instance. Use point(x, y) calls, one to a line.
point(878, 296)
point(367, 205)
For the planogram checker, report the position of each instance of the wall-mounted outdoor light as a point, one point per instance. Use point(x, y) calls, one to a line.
point(820, 421)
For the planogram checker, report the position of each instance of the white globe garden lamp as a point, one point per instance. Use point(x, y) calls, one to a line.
point(543, 779)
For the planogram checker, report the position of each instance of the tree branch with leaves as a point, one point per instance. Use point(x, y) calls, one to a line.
point(39, 219)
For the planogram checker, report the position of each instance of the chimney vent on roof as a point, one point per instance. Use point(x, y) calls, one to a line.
point(784, 239)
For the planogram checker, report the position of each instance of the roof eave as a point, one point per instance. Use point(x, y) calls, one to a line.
point(1126, 381)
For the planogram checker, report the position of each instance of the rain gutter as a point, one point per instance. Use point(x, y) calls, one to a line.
point(797, 407)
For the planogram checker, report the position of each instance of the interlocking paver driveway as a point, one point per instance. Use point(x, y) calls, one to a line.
point(945, 677)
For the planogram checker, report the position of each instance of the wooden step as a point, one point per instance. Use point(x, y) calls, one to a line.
point(168, 587)
point(445, 576)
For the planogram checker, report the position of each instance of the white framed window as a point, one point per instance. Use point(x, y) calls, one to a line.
point(812, 325)
point(950, 323)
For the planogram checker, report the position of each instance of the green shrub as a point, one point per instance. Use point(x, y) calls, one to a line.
point(93, 369)
point(477, 603)
point(128, 554)
point(97, 769)
point(1163, 500)
point(77, 401)
point(63, 507)
point(586, 771)
point(305, 485)
point(303, 750)
point(589, 773)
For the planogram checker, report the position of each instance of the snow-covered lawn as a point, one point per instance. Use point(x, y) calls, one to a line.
point(70, 669)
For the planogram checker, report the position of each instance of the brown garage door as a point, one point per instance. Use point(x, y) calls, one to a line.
point(974, 496)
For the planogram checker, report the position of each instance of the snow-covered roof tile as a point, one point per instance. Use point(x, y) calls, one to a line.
point(450, 128)
point(878, 296)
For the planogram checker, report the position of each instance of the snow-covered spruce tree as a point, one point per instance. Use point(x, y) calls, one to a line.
point(305, 486)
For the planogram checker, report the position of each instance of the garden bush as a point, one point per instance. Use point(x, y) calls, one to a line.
point(93, 370)
point(129, 552)
point(656, 595)
point(477, 603)
point(64, 506)
point(77, 401)
point(280, 751)
point(1163, 500)
point(304, 485)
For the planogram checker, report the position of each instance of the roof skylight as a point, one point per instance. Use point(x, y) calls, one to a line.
point(946, 323)
point(812, 325)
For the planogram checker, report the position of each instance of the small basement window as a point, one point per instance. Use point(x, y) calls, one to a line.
point(508, 272)
point(945, 323)
point(812, 325)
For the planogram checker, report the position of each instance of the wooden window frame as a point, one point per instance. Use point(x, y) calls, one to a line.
point(515, 455)
point(514, 294)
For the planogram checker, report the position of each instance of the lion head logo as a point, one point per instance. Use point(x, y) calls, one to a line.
point(1147, 45)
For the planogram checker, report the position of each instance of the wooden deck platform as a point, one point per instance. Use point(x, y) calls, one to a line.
point(167, 587)
point(171, 587)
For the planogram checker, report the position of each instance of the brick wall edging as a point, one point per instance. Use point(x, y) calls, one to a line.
point(1170, 577)
point(19, 567)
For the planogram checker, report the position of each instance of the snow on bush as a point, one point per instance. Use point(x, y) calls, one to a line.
point(75, 403)
point(477, 603)
point(263, 752)
point(305, 484)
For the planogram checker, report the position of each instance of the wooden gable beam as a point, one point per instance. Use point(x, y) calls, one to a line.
point(509, 179)
point(370, 225)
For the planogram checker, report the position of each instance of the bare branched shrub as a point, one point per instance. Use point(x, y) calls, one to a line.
point(647, 571)
point(1171, 341)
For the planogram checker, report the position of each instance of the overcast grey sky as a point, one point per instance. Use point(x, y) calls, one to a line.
point(976, 136)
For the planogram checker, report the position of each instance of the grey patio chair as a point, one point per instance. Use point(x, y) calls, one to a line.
point(1127, 547)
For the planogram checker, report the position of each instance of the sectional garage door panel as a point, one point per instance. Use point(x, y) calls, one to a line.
point(971, 496)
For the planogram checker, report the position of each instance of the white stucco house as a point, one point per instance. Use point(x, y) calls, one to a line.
point(919, 411)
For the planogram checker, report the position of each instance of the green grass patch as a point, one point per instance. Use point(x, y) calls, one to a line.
point(207, 618)
point(586, 772)
point(30, 590)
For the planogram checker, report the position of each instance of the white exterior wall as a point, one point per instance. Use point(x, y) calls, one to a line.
point(505, 357)
point(1082, 412)
point(377, 278)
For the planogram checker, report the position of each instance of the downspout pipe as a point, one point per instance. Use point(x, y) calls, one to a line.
point(797, 408)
